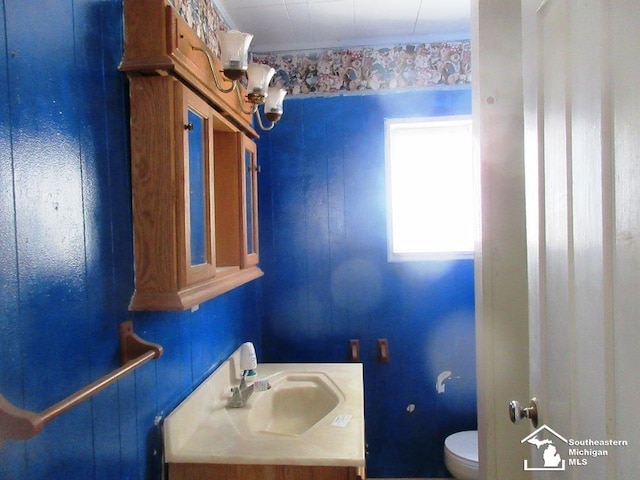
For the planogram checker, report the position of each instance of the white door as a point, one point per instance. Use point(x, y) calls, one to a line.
point(582, 157)
point(580, 349)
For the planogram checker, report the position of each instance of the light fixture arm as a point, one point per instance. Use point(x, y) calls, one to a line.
point(254, 110)
point(262, 127)
point(242, 101)
point(234, 83)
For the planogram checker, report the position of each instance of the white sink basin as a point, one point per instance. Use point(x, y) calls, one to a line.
point(295, 403)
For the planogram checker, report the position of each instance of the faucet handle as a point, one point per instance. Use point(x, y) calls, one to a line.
point(261, 385)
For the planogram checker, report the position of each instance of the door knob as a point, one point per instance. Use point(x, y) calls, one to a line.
point(517, 412)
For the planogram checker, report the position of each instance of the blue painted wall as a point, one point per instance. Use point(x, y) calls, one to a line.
point(66, 263)
point(323, 240)
point(66, 254)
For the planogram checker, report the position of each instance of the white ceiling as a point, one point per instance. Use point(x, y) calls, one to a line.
point(283, 25)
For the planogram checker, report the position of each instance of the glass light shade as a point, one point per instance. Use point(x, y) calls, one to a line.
point(234, 52)
point(259, 76)
point(273, 107)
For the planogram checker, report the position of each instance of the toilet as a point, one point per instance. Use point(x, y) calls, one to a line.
point(461, 455)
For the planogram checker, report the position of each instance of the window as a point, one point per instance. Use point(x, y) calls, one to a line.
point(430, 207)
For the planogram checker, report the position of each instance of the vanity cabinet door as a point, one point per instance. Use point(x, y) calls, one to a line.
point(250, 170)
point(236, 166)
point(195, 188)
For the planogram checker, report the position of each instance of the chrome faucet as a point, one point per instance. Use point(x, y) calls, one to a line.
point(241, 394)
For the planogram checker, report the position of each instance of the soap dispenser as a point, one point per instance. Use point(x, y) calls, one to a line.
point(248, 362)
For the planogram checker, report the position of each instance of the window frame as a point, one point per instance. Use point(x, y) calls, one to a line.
point(393, 256)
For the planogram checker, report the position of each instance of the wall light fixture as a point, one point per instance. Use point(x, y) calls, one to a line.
point(234, 55)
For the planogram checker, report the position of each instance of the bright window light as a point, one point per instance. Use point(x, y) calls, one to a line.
point(430, 210)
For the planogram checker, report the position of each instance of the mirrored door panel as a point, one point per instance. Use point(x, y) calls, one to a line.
point(196, 141)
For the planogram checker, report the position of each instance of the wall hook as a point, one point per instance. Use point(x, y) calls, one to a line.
point(383, 350)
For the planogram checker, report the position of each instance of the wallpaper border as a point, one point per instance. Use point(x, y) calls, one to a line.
point(347, 70)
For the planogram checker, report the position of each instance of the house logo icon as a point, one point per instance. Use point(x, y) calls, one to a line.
point(549, 445)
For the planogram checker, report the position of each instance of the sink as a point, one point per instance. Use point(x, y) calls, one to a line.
point(313, 415)
point(295, 403)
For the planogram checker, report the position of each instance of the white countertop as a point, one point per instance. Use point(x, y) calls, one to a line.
point(201, 429)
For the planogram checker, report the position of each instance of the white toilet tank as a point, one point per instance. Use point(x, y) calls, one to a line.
point(461, 455)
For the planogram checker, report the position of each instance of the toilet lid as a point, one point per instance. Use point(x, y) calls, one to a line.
point(463, 445)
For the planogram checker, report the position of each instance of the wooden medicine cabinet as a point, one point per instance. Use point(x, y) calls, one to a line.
point(193, 166)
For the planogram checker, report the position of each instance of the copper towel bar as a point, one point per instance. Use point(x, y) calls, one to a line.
point(17, 424)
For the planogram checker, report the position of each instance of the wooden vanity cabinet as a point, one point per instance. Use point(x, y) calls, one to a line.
point(188, 186)
point(203, 471)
